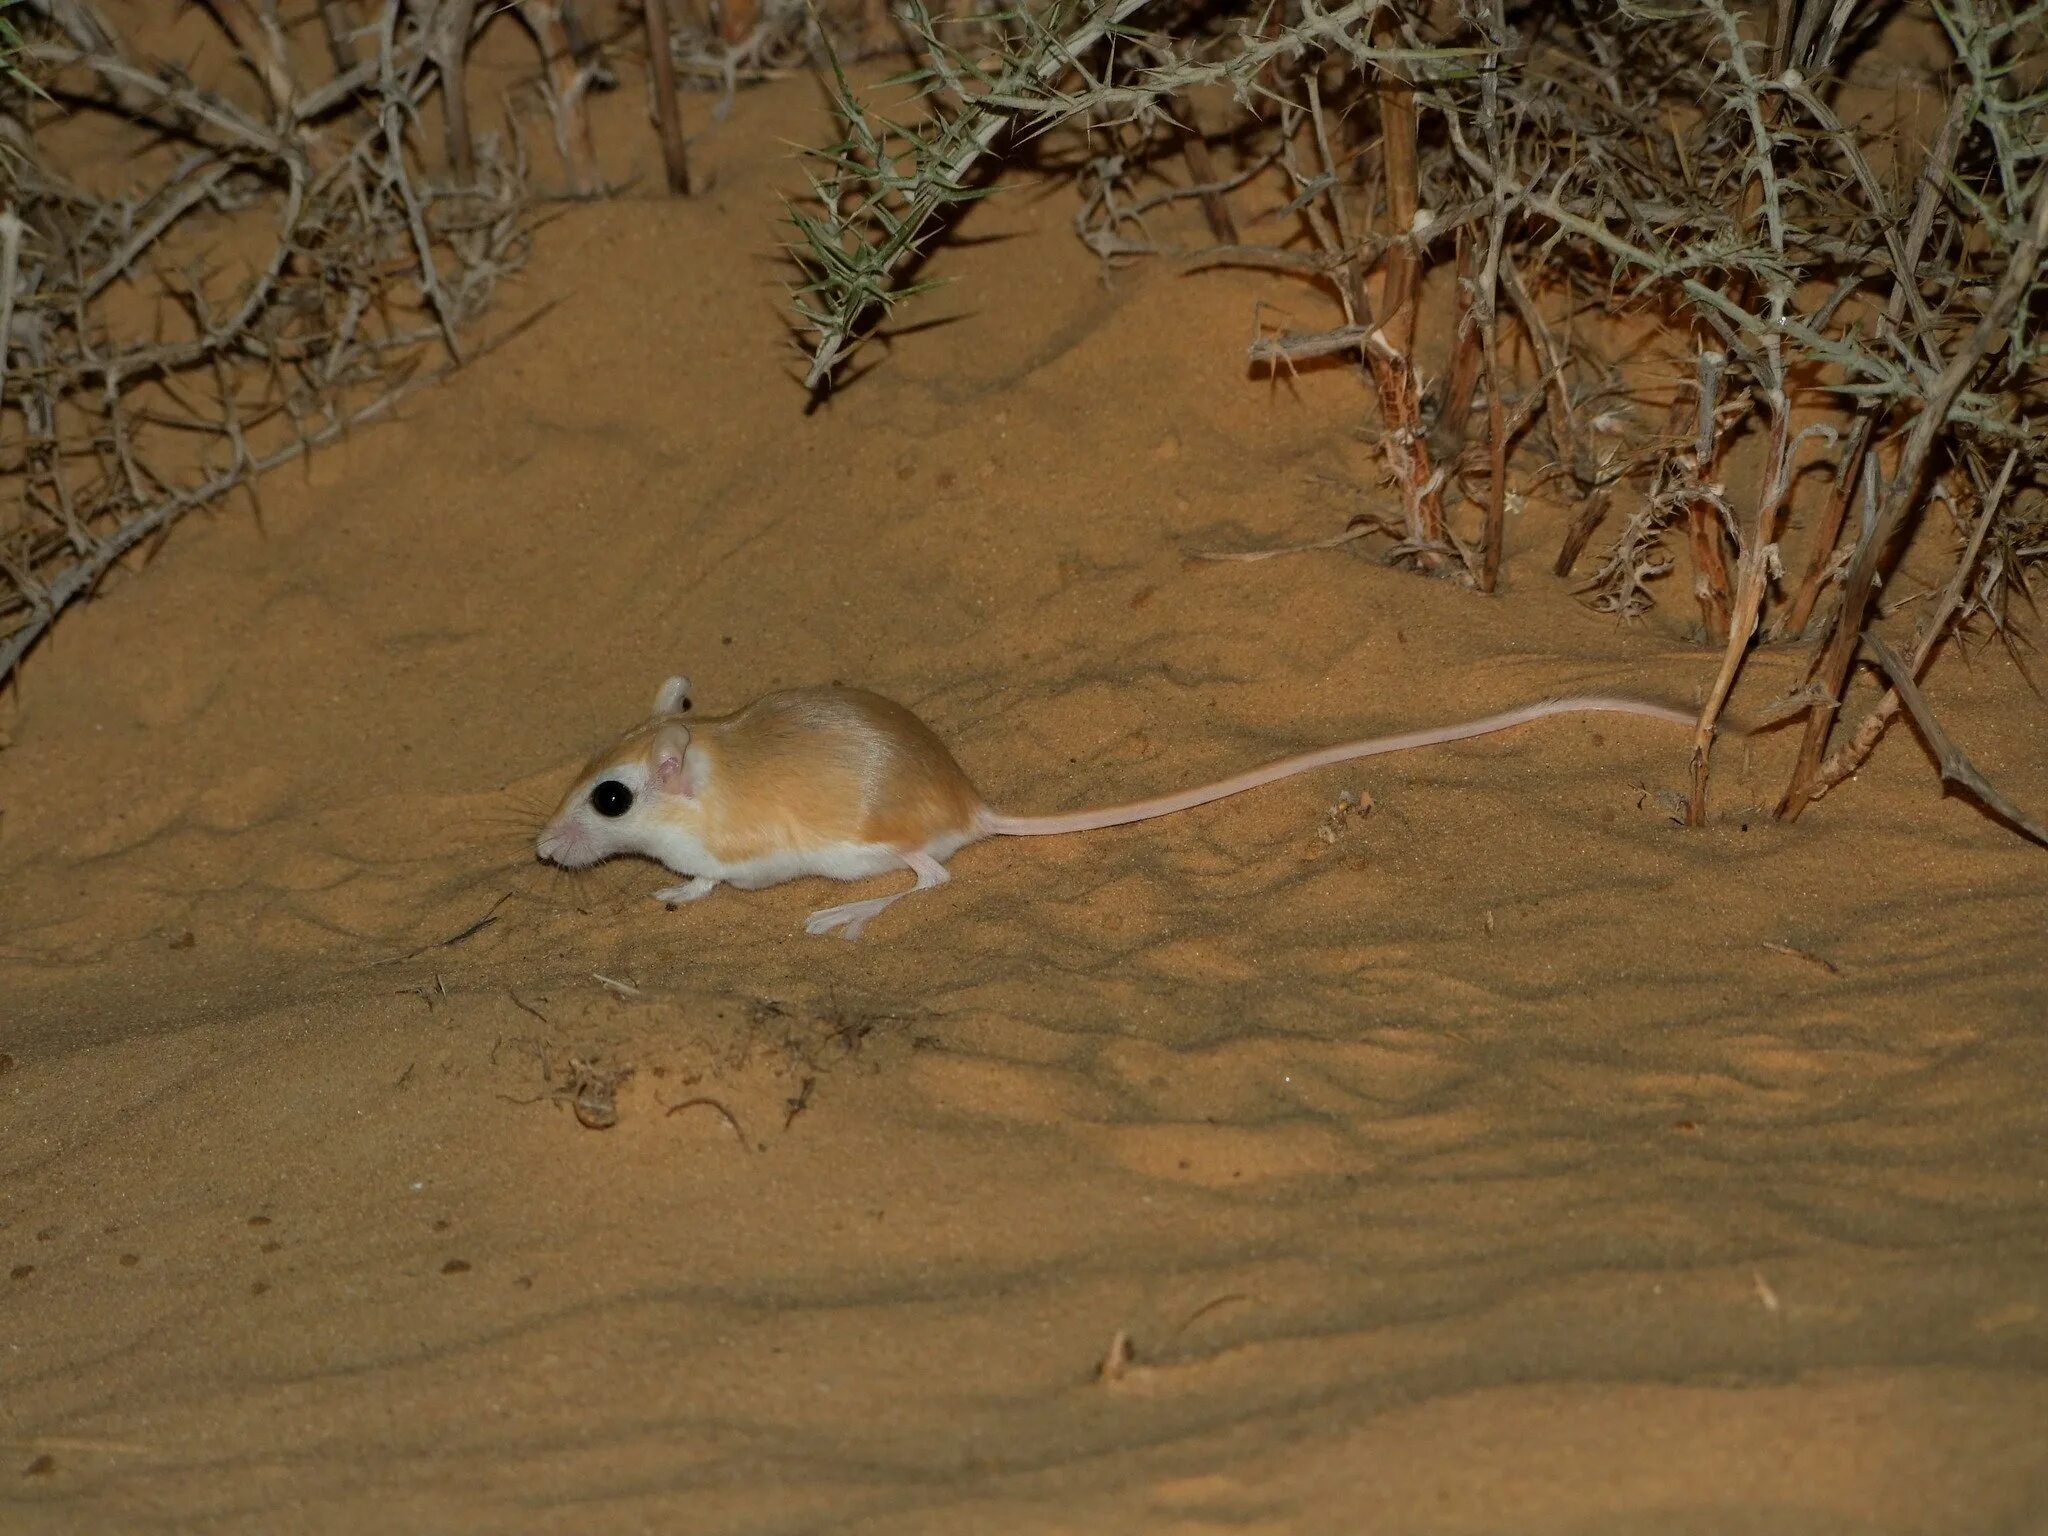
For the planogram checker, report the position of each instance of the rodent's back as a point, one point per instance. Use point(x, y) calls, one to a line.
point(818, 766)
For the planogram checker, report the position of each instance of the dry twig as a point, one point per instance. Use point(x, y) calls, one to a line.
point(108, 438)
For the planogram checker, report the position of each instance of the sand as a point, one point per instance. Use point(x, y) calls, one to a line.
point(1498, 1158)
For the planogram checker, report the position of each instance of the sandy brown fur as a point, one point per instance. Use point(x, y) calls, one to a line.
point(814, 766)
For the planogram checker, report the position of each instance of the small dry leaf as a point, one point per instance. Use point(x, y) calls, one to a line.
point(1117, 1362)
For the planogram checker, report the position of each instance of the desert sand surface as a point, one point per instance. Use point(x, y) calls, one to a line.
point(1483, 1154)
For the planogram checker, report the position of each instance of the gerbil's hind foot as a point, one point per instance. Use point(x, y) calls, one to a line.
point(695, 890)
point(850, 917)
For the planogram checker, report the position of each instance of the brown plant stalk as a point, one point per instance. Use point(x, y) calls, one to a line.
point(1902, 494)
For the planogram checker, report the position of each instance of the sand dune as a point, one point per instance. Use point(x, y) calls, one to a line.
point(1495, 1158)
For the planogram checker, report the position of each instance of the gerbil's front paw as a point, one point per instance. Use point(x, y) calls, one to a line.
point(696, 890)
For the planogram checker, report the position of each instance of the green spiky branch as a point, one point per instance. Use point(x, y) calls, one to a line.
point(10, 46)
point(888, 182)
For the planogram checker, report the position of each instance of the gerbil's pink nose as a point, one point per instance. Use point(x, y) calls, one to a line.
point(557, 845)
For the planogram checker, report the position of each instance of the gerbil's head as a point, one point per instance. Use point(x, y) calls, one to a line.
point(632, 792)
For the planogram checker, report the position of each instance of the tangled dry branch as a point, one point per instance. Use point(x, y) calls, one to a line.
point(147, 375)
point(1839, 276)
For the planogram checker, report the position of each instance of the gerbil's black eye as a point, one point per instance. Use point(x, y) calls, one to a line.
point(611, 798)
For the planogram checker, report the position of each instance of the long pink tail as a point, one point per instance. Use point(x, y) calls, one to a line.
point(1186, 799)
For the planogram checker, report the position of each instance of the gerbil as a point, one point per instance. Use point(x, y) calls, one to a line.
point(836, 782)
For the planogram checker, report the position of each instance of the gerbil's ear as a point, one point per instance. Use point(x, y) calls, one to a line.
point(672, 697)
point(673, 768)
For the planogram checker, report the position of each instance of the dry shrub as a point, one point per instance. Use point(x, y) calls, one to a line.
point(1694, 274)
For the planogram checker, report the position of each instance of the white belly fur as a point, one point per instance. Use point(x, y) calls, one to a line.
point(686, 855)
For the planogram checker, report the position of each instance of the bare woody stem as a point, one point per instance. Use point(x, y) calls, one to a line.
point(662, 83)
point(1903, 494)
point(1753, 578)
point(1828, 532)
point(1486, 290)
point(1398, 130)
point(336, 25)
point(1486, 318)
point(1853, 753)
point(10, 265)
point(1703, 512)
point(261, 46)
point(451, 55)
point(1933, 187)
point(1563, 415)
point(1393, 372)
point(1195, 150)
point(1468, 359)
point(1392, 357)
point(1495, 531)
point(554, 28)
point(1954, 767)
